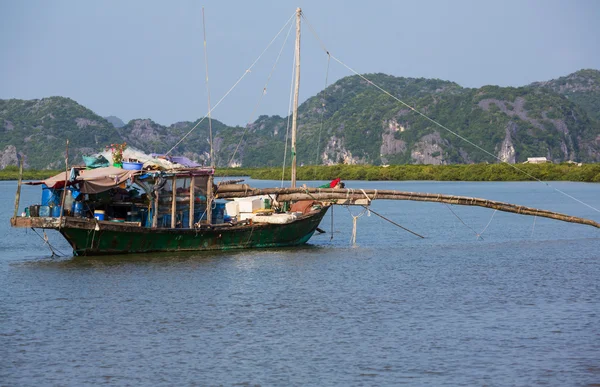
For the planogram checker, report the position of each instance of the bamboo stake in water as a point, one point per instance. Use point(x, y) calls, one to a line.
point(18, 195)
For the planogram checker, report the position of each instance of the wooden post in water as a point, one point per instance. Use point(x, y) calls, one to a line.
point(64, 193)
point(18, 194)
point(296, 94)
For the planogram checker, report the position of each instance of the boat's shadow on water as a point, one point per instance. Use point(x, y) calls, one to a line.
point(180, 257)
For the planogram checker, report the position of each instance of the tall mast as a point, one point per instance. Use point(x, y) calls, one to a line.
point(212, 158)
point(296, 92)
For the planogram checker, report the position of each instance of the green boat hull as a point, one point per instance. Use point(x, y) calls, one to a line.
point(88, 237)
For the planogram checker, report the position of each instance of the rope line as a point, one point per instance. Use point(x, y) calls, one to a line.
point(533, 226)
point(463, 138)
point(485, 228)
point(262, 94)
point(235, 84)
point(466, 225)
point(441, 125)
point(47, 242)
point(396, 224)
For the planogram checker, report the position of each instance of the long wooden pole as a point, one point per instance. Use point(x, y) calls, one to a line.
point(192, 197)
point(332, 194)
point(209, 199)
point(296, 95)
point(210, 134)
point(173, 201)
point(64, 193)
point(155, 210)
point(18, 194)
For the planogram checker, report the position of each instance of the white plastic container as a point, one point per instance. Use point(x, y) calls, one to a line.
point(232, 208)
point(249, 205)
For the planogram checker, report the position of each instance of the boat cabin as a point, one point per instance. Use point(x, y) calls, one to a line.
point(158, 199)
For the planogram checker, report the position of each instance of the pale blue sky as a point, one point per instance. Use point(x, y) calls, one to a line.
point(144, 59)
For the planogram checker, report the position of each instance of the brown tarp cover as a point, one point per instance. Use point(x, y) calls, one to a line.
point(102, 179)
point(55, 182)
point(91, 180)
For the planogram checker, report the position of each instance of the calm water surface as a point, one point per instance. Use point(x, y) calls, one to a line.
point(518, 306)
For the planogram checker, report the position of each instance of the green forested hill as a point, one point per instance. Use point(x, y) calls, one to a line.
point(350, 122)
point(38, 130)
point(581, 87)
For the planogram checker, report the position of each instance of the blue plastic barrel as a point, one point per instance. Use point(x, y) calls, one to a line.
point(50, 196)
point(44, 211)
point(78, 209)
point(56, 211)
point(218, 213)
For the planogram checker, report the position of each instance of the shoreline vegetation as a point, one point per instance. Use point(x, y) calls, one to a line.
point(457, 172)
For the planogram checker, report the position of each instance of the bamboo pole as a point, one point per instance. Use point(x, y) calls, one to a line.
point(155, 212)
point(64, 193)
point(192, 195)
point(329, 194)
point(173, 201)
point(209, 199)
point(210, 133)
point(18, 194)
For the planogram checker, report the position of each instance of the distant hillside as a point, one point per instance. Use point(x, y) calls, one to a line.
point(38, 130)
point(581, 87)
point(115, 121)
point(349, 122)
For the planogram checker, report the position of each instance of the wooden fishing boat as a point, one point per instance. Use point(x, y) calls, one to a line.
point(176, 210)
point(94, 237)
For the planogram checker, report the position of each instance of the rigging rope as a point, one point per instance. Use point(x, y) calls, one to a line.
point(466, 225)
point(47, 242)
point(235, 84)
point(395, 224)
point(439, 124)
point(533, 226)
point(477, 234)
point(264, 91)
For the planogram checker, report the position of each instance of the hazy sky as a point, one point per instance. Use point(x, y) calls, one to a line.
point(144, 59)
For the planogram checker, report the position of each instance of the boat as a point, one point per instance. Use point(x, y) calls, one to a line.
point(172, 205)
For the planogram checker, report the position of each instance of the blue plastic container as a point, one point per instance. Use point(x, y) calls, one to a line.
point(78, 209)
point(218, 213)
point(131, 166)
point(44, 211)
point(50, 196)
point(56, 211)
point(99, 214)
point(144, 217)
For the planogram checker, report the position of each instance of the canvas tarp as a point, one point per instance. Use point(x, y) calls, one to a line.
point(56, 182)
point(102, 179)
point(91, 180)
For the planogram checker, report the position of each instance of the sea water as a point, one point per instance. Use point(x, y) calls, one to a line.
point(486, 298)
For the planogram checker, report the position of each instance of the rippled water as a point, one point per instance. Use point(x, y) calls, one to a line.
point(518, 307)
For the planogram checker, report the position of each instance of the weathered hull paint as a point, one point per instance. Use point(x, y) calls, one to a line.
point(88, 237)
